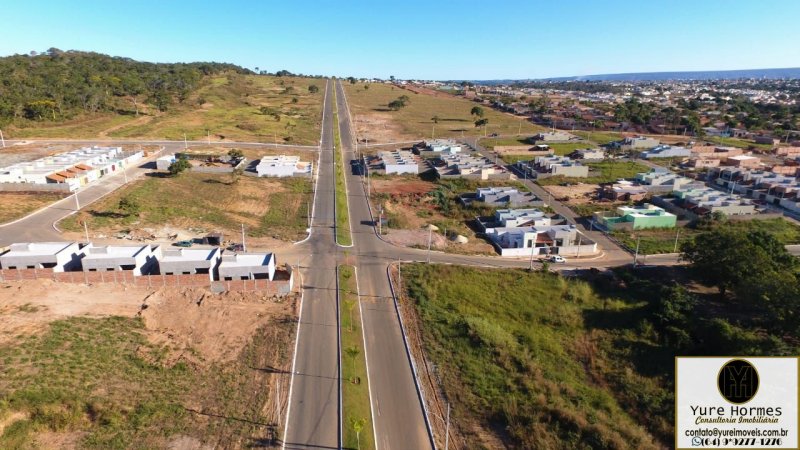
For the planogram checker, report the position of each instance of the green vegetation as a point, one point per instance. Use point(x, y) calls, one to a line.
point(18, 205)
point(491, 143)
point(103, 379)
point(565, 148)
point(599, 137)
point(357, 419)
point(588, 364)
point(57, 85)
point(415, 119)
point(267, 207)
point(343, 236)
point(88, 95)
point(601, 172)
point(755, 267)
point(657, 241)
point(736, 142)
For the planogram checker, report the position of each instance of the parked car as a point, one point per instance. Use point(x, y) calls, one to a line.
point(557, 259)
point(493, 135)
point(183, 244)
point(235, 248)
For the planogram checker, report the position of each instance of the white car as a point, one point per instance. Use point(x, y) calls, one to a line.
point(557, 259)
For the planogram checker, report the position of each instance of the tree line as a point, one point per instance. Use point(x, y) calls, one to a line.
point(57, 85)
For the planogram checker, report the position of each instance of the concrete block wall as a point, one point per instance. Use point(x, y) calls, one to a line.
point(282, 285)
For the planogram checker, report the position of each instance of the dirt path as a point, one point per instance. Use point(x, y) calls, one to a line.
point(142, 120)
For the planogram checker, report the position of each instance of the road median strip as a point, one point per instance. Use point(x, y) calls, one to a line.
point(356, 409)
point(343, 236)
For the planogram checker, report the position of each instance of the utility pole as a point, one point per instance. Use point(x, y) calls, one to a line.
point(208, 136)
point(86, 231)
point(430, 239)
point(244, 246)
point(530, 264)
point(447, 428)
point(185, 144)
point(308, 213)
point(77, 203)
point(636, 255)
point(519, 131)
point(678, 233)
point(578, 253)
point(2, 139)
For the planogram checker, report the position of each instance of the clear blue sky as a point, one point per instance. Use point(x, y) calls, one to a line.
point(458, 39)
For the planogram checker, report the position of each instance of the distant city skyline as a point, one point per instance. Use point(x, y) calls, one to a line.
point(425, 40)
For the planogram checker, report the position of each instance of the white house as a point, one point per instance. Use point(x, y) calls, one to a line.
point(399, 162)
point(59, 256)
point(282, 166)
point(141, 260)
point(511, 218)
point(247, 266)
point(187, 261)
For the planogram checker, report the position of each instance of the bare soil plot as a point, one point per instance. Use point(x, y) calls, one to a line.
point(109, 366)
point(375, 122)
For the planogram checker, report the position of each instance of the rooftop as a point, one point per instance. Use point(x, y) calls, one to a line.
point(246, 259)
point(36, 248)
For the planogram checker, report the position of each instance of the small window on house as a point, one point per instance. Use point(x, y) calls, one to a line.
point(109, 269)
point(48, 265)
point(187, 273)
point(31, 267)
point(128, 266)
point(228, 278)
point(202, 271)
point(244, 277)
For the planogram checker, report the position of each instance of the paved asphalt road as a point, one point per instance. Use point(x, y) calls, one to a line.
point(398, 414)
point(313, 417)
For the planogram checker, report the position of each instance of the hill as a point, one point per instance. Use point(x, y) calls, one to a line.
point(59, 85)
point(88, 95)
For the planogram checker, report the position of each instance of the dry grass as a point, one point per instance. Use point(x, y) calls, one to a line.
point(15, 205)
point(226, 106)
point(377, 123)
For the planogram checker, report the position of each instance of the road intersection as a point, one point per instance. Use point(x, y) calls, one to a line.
point(313, 418)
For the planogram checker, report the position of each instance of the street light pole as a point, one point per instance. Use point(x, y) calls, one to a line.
point(185, 144)
point(530, 264)
point(677, 233)
point(77, 203)
point(244, 246)
point(636, 255)
point(3, 139)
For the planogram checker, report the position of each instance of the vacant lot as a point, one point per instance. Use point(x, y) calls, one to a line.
point(82, 371)
point(663, 240)
point(228, 107)
point(192, 201)
point(17, 205)
point(601, 172)
point(410, 204)
point(529, 374)
point(376, 122)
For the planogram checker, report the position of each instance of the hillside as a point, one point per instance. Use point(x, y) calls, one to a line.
point(88, 95)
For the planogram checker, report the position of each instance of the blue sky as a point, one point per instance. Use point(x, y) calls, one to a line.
point(459, 39)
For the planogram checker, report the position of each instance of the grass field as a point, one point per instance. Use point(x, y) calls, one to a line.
point(355, 387)
point(343, 235)
point(599, 137)
point(537, 373)
point(736, 142)
point(657, 241)
point(18, 205)
point(606, 171)
point(102, 383)
point(226, 106)
point(491, 143)
point(214, 202)
point(415, 120)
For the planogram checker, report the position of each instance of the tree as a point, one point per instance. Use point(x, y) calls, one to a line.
point(129, 206)
point(235, 153)
point(366, 87)
point(731, 259)
point(395, 105)
point(179, 165)
point(313, 89)
point(481, 123)
point(236, 173)
point(350, 304)
point(353, 353)
point(358, 426)
point(435, 119)
point(477, 111)
point(352, 80)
